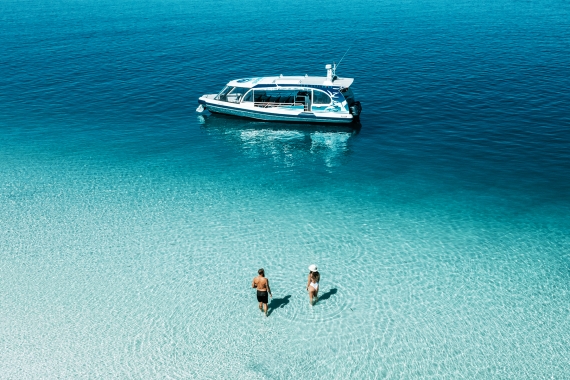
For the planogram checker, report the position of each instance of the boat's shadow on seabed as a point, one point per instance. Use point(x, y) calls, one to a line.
point(286, 142)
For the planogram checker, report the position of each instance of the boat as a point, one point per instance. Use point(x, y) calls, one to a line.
point(303, 99)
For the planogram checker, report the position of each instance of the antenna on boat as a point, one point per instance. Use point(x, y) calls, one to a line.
point(337, 65)
point(331, 69)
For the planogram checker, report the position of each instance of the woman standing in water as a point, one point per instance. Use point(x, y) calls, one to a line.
point(313, 283)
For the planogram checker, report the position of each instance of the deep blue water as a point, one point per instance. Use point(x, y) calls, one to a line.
point(131, 226)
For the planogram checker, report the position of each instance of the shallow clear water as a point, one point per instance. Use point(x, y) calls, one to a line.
point(131, 227)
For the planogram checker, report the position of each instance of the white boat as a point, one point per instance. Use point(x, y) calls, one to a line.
point(287, 98)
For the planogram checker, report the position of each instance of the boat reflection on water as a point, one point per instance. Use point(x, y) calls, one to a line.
point(287, 143)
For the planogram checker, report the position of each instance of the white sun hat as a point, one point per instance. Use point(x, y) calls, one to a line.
point(313, 268)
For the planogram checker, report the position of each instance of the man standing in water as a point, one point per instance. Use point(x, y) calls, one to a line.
point(262, 285)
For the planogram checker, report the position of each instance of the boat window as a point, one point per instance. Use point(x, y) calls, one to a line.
point(320, 97)
point(223, 94)
point(272, 98)
point(236, 94)
point(248, 97)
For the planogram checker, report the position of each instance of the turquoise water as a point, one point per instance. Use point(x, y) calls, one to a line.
point(131, 227)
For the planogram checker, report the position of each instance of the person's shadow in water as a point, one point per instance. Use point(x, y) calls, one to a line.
point(327, 295)
point(277, 303)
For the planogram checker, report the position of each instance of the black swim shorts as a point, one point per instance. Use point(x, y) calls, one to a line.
point(262, 297)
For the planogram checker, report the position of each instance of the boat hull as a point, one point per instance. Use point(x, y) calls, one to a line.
point(282, 116)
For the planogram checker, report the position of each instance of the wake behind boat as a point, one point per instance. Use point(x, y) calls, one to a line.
point(287, 98)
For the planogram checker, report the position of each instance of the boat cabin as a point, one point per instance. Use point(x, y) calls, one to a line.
point(304, 93)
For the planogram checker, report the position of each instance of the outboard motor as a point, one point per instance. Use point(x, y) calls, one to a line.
point(355, 110)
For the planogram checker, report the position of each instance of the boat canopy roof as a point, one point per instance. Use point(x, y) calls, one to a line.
point(291, 81)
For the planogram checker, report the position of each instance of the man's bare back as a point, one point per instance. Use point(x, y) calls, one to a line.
point(260, 283)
